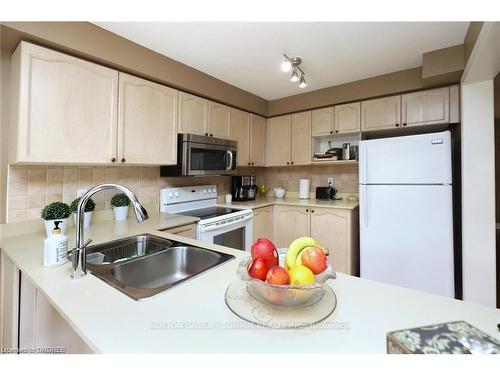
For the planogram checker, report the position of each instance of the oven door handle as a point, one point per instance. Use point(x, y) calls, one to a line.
point(211, 227)
point(230, 159)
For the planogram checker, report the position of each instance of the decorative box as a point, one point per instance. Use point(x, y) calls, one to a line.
point(448, 338)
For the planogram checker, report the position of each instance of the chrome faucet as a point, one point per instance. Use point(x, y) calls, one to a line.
point(79, 253)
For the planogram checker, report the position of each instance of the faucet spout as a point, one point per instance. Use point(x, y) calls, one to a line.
point(78, 261)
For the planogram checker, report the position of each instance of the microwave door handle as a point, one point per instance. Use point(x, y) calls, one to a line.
point(230, 159)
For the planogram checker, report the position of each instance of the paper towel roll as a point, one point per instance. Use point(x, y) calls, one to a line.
point(304, 185)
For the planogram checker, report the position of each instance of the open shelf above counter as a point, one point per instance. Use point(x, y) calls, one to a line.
point(333, 162)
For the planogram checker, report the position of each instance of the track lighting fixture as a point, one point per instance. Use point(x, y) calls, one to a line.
point(293, 65)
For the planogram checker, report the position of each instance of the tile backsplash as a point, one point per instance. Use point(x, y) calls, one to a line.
point(30, 188)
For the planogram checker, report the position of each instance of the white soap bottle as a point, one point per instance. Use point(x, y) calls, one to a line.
point(55, 250)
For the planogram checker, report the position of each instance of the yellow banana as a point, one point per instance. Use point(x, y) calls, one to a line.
point(296, 247)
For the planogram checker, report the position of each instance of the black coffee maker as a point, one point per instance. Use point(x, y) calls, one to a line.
point(243, 188)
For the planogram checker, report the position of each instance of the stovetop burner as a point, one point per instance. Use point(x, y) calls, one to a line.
point(209, 212)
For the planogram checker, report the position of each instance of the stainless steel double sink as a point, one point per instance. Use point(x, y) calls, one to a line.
point(144, 265)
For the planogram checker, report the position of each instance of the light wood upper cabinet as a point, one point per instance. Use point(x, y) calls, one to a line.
point(263, 223)
point(64, 109)
point(383, 113)
point(278, 140)
point(257, 140)
point(219, 120)
point(240, 132)
point(193, 114)
point(147, 120)
point(291, 222)
point(301, 138)
point(347, 118)
point(322, 121)
point(427, 107)
point(337, 231)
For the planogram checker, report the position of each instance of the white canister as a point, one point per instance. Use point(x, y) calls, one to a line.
point(87, 218)
point(304, 185)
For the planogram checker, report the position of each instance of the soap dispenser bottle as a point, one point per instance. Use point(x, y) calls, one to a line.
point(56, 248)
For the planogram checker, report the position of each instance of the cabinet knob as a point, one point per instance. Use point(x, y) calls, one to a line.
point(253, 163)
point(336, 131)
point(404, 123)
point(122, 160)
point(113, 160)
point(249, 164)
point(307, 210)
point(211, 135)
point(331, 132)
point(291, 162)
point(287, 163)
point(397, 125)
point(206, 134)
point(312, 211)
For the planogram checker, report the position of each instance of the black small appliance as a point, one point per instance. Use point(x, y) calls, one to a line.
point(325, 193)
point(243, 188)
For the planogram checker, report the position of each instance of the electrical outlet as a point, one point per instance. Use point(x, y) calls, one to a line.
point(330, 181)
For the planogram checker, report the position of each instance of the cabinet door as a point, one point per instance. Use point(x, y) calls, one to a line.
point(240, 132)
point(219, 120)
point(291, 222)
point(348, 118)
point(278, 140)
point(258, 141)
point(147, 121)
point(427, 107)
point(64, 108)
point(332, 229)
point(383, 113)
point(263, 223)
point(322, 121)
point(193, 114)
point(301, 138)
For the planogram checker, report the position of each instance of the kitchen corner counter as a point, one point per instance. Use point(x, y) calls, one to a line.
point(293, 201)
point(193, 317)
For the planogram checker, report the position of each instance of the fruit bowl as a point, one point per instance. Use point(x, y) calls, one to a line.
point(285, 295)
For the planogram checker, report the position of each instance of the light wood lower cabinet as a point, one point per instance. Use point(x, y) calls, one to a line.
point(335, 229)
point(29, 321)
point(188, 231)
point(263, 223)
point(147, 120)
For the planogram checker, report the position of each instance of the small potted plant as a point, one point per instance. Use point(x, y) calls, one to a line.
point(55, 211)
point(120, 203)
point(87, 216)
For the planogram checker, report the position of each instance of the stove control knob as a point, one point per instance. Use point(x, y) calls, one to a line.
point(170, 195)
point(204, 191)
point(177, 194)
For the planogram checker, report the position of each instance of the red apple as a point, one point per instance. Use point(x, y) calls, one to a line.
point(315, 259)
point(278, 276)
point(263, 248)
point(258, 269)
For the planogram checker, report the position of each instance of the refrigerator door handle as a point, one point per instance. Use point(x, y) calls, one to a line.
point(364, 151)
point(365, 205)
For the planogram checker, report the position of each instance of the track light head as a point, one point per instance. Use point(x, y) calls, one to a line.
point(286, 65)
point(295, 75)
point(302, 83)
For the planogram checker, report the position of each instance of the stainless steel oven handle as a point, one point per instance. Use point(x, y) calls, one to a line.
point(212, 227)
point(230, 164)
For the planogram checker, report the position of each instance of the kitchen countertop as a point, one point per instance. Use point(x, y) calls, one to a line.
point(109, 321)
point(293, 201)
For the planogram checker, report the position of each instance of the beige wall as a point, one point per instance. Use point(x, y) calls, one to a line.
point(30, 188)
point(4, 120)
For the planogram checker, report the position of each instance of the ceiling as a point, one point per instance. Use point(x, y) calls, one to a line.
point(248, 54)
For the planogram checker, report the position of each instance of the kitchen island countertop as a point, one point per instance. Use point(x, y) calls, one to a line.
point(193, 317)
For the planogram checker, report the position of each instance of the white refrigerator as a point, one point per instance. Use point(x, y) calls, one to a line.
point(406, 212)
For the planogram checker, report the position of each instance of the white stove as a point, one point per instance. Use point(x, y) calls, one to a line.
point(219, 224)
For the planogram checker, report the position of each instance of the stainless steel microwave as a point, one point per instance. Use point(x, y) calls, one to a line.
point(198, 155)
